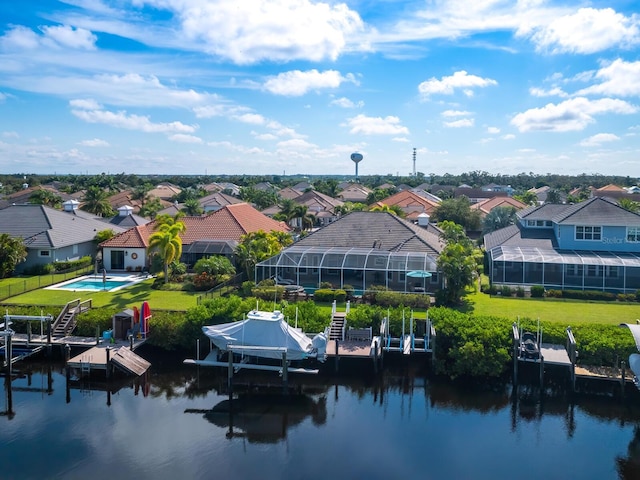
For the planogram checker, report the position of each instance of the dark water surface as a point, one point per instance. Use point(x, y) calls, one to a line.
point(399, 425)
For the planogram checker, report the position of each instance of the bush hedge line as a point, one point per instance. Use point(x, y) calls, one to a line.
point(466, 345)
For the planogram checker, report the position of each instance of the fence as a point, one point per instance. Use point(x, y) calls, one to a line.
point(222, 289)
point(29, 284)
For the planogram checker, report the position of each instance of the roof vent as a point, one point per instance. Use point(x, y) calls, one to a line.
point(423, 220)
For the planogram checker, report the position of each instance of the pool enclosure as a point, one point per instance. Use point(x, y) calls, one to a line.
point(360, 268)
point(565, 269)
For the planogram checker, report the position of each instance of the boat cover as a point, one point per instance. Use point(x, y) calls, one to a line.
point(635, 331)
point(262, 329)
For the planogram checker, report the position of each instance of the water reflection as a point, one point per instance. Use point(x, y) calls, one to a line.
point(188, 422)
point(264, 418)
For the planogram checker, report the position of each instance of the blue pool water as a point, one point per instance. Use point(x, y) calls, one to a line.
point(94, 284)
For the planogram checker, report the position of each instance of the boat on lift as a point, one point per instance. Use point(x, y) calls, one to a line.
point(263, 341)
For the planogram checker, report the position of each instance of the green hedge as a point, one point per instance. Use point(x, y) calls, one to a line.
point(326, 295)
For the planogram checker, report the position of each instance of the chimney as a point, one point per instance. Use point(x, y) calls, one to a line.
point(423, 220)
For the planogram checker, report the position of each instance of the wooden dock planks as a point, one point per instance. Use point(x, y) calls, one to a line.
point(96, 359)
point(129, 361)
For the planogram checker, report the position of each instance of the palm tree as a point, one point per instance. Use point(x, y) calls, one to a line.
point(192, 207)
point(630, 205)
point(46, 197)
point(392, 209)
point(168, 242)
point(498, 218)
point(96, 201)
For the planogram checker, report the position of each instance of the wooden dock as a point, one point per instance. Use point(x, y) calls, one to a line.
point(102, 357)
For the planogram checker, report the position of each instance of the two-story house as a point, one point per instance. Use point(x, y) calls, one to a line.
point(591, 245)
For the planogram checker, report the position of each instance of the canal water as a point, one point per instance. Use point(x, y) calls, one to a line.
point(176, 424)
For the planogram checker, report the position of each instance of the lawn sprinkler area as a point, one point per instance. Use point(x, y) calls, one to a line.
point(99, 283)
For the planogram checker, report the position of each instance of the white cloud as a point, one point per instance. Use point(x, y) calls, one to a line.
point(55, 36)
point(296, 143)
point(183, 138)
point(493, 130)
point(296, 83)
point(95, 142)
point(10, 134)
point(264, 136)
point(599, 139)
point(570, 115)
point(251, 118)
point(344, 102)
point(619, 78)
point(85, 104)
point(20, 37)
point(553, 92)
point(400, 139)
point(376, 125)
point(508, 136)
point(589, 30)
point(448, 85)
point(455, 113)
point(131, 122)
point(3, 97)
point(254, 30)
point(462, 123)
point(66, 36)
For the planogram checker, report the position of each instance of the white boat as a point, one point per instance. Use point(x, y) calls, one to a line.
point(260, 342)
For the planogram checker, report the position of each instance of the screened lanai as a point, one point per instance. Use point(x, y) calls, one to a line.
point(565, 269)
point(361, 268)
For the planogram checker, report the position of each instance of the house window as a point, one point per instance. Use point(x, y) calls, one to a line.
point(633, 234)
point(574, 270)
point(611, 272)
point(45, 253)
point(588, 233)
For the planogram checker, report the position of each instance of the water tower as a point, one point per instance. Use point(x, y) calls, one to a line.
point(356, 158)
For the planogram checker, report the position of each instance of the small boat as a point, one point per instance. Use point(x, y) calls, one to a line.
point(263, 341)
point(529, 346)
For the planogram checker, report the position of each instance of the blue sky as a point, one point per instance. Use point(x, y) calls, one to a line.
point(296, 86)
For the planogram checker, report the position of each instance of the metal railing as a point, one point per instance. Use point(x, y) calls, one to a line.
point(221, 289)
point(29, 284)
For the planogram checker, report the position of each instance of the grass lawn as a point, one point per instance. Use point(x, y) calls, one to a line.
point(125, 298)
point(566, 312)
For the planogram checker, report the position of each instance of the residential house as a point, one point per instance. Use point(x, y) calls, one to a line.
point(302, 187)
point(485, 206)
point(355, 193)
point(23, 196)
point(411, 204)
point(591, 245)
point(51, 235)
point(216, 201)
point(318, 204)
point(215, 234)
point(476, 195)
point(494, 187)
point(361, 249)
point(289, 193)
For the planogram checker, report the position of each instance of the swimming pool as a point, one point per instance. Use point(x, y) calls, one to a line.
point(95, 283)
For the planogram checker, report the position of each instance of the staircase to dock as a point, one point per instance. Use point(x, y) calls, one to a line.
point(337, 327)
point(67, 320)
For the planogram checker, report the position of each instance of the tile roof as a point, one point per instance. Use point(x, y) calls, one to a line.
point(596, 211)
point(521, 237)
point(375, 230)
point(228, 223)
point(411, 203)
point(485, 206)
point(45, 227)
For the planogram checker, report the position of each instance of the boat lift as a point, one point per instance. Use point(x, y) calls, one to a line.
point(408, 342)
point(7, 349)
